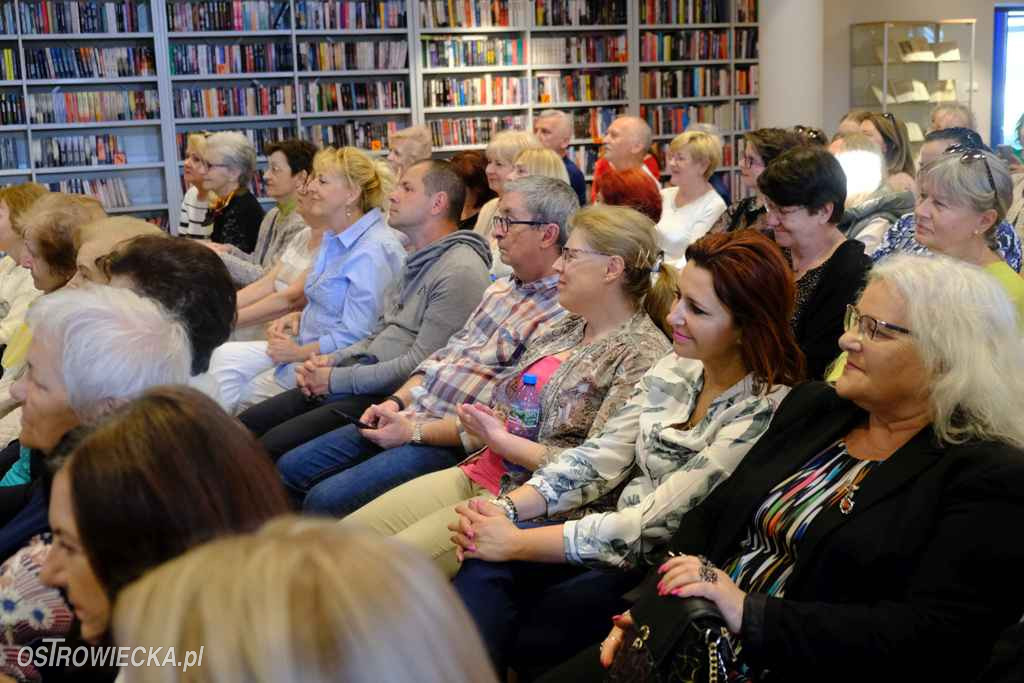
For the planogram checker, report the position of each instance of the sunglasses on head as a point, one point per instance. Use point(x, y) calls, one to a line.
point(968, 155)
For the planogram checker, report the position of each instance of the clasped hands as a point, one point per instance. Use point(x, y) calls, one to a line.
point(281, 345)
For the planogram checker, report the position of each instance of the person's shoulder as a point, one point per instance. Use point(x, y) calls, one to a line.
point(990, 469)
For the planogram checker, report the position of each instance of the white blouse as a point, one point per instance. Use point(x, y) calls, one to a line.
point(681, 226)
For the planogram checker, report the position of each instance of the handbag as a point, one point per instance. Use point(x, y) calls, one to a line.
point(695, 647)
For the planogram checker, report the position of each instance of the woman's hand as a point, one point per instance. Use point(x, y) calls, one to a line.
point(623, 624)
point(393, 429)
point(285, 326)
point(284, 350)
point(483, 532)
point(485, 425)
point(690, 575)
point(314, 376)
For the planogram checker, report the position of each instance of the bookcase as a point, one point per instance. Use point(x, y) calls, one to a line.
point(100, 95)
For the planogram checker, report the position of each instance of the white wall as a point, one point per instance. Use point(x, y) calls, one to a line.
point(792, 63)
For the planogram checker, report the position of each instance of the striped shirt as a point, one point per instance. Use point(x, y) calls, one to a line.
point(487, 349)
point(770, 550)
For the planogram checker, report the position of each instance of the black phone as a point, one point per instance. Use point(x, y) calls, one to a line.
point(354, 420)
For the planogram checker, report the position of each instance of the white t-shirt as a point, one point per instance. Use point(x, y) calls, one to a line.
point(679, 227)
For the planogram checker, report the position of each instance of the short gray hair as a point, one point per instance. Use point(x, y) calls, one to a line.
point(237, 151)
point(965, 330)
point(966, 182)
point(564, 120)
point(113, 344)
point(959, 109)
point(547, 199)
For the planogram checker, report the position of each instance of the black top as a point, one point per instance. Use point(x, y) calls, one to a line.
point(913, 583)
point(238, 222)
point(576, 179)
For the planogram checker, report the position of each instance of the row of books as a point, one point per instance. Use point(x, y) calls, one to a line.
point(252, 100)
point(584, 156)
point(90, 62)
point(593, 122)
point(340, 96)
point(347, 55)
point(259, 137)
point(683, 11)
point(84, 16)
point(579, 12)
point(482, 90)
point(105, 105)
point(746, 11)
point(746, 115)
point(913, 90)
point(584, 86)
point(111, 192)
point(699, 81)
point(679, 45)
point(79, 150)
point(746, 80)
point(580, 49)
point(354, 14)
point(230, 59)
point(372, 135)
point(746, 43)
point(473, 51)
point(665, 119)
point(472, 13)
point(12, 110)
point(228, 15)
point(9, 64)
point(471, 131)
point(10, 156)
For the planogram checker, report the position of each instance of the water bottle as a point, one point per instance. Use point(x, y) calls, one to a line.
point(524, 414)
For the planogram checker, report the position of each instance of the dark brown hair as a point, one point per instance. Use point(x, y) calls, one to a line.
point(162, 474)
point(753, 280)
point(472, 168)
point(771, 142)
point(896, 143)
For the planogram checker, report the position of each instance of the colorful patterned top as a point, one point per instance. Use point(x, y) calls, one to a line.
point(770, 550)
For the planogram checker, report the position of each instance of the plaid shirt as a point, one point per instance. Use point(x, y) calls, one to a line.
point(487, 349)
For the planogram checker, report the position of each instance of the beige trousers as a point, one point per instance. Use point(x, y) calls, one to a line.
point(419, 511)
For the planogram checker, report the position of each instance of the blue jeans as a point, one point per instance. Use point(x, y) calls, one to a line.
point(340, 472)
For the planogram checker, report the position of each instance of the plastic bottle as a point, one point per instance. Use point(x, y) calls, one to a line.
point(524, 414)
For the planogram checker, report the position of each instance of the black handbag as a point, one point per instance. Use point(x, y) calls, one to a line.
point(693, 645)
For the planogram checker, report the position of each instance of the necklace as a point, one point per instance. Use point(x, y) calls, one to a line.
point(852, 485)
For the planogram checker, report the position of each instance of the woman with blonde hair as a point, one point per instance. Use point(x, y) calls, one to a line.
point(539, 162)
point(407, 146)
point(691, 206)
point(321, 603)
point(583, 370)
point(228, 165)
point(358, 259)
point(196, 200)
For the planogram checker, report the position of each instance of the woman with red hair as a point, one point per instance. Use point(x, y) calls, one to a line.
point(632, 188)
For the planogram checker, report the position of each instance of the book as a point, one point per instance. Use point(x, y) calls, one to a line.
point(946, 51)
point(911, 90)
point(916, 50)
point(942, 91)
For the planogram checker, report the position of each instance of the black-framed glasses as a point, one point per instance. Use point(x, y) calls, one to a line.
point(969, 155)
point(501, 224)
point(866, 325)
point(569, 254)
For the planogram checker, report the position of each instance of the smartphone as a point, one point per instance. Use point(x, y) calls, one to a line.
point(354, 420)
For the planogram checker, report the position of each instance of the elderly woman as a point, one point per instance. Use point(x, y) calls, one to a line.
point(848, 544)
point(583, 371)
point(805, 190)
point(49, 228)
point(890, 134)
point(360, 257)
point(196, 200)
point(289, 164)
point(691, 206)
point(234, 217)
point(407, 146)
point(471, 166)
point(690, 421)
point(760, 147)
point(16, 288)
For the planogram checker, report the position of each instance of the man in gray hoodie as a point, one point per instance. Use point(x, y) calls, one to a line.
point(440, 286)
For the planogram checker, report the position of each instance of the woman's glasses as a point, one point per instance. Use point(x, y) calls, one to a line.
point(866, 325)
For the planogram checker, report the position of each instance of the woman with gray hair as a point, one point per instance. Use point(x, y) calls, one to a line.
point(229, 161)
point(867, 529)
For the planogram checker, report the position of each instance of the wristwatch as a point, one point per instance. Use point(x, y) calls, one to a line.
point(417, 432)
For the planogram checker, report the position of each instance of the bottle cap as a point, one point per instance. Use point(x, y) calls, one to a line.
point(530, 379)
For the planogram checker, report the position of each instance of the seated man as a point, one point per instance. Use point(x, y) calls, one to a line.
point(625, 146)
point(441, 283)
point(344, 469)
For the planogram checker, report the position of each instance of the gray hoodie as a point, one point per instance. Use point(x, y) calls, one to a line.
point(439, 287)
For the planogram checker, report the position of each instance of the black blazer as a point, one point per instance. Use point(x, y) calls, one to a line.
point(821, 325)
point(914, 584)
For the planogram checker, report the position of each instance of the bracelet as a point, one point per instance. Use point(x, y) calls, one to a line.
point(506, 504)
point(400, 402)
point(417, 433)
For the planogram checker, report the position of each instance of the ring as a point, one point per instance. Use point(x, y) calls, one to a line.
point(707, 573)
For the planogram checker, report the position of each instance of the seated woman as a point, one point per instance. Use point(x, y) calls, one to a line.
point(471, 166)
point(120, 507)
point(584, 370)
point(631, 187)
point(234, 217)
point(848, 544)
point(289, 164)
point(805, 190)
point(380, 612)
point(359, 258)
point(890, 134)
point(539, 162)
point(16, 288)
point(49, 228)
point(760, 147)
point(407, 146)
point(690, 421)
point(196, 200)
point(691, 206)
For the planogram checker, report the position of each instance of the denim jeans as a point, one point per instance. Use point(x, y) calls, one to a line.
point(339, 472)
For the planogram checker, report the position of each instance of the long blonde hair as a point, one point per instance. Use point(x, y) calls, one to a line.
point(303, 601)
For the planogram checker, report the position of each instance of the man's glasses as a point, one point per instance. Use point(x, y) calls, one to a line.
point(866, 325)
point(501, 224)
point(968, 155)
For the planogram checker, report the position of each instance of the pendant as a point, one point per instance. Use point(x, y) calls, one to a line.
point(846, 502)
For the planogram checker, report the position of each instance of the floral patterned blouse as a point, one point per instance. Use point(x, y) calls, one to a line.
point(669, 469)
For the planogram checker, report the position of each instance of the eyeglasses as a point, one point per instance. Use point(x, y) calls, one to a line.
point(772, 207)
point(570, 254)
point(866, 325)
point(747, 160)
point(890, 116)
point(501, 224)
point(208, 164)
point(969, 155)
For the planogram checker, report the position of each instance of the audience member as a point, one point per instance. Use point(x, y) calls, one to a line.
point(554, 129)
point(17, 290)
point(345, 469)
point(719, 179)
point(191, 221)
point(273, 607)
point(584, 369)
point(689, 423)
point(94, 241)
point(890, 134)
point(49, 227)
point(442, 282)
point(357, 262)
point(952, 115)
point(631, 188)
point(234, 215)
point(539, 162)
point(691, 206)
point(625, 146)
point(407, 147)
point(850, 123)
point(471, 166)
